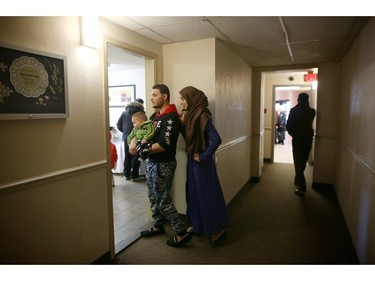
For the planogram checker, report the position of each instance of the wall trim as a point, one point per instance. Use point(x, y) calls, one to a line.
point(232, 143)
point(359, 160)
point(320, 137)
point(228, 144)
point(51, 177)
point(316, 136)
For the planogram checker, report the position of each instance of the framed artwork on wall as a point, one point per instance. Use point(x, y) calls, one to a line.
point(119, 96)
point(33, 84)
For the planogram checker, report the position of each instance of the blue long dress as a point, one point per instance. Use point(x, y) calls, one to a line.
point(206, 208)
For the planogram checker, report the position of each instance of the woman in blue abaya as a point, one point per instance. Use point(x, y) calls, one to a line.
point(206, 208)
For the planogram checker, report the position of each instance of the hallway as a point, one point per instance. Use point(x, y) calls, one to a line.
point(269, 225)
point(284, 153)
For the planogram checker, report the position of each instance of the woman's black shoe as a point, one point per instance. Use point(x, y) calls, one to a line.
point(220, 238)
point(175, 243)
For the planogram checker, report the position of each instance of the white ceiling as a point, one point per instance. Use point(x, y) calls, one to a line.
point(260, 41)
point(122, 59)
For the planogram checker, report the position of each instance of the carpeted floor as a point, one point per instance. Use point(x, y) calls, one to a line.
point(270, 225)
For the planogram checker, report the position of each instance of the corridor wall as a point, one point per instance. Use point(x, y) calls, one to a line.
point(55, 190)
point(355, 162)
point(226, 80)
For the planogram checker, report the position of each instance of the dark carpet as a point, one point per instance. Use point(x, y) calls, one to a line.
point(270, 225)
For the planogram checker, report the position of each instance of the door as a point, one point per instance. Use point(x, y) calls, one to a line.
point(129, 75)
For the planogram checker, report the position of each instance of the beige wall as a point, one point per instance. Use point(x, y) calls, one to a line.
point(226, 79)
point(55, 193)
point(326, 123)
point(355, 181)
point(188, 64)
point(233, 102)
point(33, 148)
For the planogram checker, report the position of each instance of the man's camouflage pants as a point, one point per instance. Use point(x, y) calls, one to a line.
point(159, 179)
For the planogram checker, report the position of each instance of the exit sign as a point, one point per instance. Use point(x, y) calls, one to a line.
point(310, 77)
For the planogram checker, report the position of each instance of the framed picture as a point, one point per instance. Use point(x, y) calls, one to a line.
point(121, 95)
point(33, 84)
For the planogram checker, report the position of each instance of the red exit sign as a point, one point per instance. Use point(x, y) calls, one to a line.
point(310, 77)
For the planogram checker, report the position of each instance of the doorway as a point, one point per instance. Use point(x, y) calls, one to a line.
point(283, 141)
point(129, 75)
point(283, 98)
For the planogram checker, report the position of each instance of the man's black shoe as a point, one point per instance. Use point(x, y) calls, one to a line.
point(152, 232)
point(139, 178)
point(300, 192)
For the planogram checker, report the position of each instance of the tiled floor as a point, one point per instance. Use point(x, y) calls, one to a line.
point(284, 153)
point(130, 209)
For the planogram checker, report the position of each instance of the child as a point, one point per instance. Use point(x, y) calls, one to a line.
point(143, 130)
point(113, 156)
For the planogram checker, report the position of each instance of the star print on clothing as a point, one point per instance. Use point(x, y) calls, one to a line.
point(168, 131)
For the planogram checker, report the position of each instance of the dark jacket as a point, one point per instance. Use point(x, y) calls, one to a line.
point(299, 124)
point(124, 123)
point(167, 129)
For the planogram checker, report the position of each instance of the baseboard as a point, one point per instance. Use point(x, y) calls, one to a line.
point(254, 180)
point(318, 185)
point(104, 259)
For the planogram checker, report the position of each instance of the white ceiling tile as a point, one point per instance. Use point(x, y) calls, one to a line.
point(261, 41)
point(188, 31)
point(155, 36)
point(251, 31)
point(162, 21)
point(126, 22)
point(313, 28)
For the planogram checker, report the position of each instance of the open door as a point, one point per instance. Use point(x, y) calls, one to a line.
point(129, 76)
